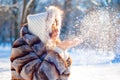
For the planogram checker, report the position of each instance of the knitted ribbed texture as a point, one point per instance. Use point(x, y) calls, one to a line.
point(37, 25)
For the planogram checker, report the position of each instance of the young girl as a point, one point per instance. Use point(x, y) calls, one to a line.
point(47, 27)
point(54, 43)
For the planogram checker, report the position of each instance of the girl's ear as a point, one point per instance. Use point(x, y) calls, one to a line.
point(50, 34)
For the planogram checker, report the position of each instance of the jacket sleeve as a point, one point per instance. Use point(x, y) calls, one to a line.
point(21, 55)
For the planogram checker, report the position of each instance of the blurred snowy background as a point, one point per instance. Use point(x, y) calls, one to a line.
point(98, 21)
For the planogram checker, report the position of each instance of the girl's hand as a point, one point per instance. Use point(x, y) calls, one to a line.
point(69, 43)
point(76, 41)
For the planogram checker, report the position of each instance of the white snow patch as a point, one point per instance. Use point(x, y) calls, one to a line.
point(78, 72)
point(98, 72)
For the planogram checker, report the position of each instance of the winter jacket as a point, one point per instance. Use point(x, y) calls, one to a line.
point(31, 61)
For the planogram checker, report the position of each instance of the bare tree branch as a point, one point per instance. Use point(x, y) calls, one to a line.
point(29, 6)
point(24, 5)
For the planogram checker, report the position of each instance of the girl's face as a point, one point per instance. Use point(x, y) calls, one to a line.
point(55, 31)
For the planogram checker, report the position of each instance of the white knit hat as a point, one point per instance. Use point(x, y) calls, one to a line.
point(40, 24)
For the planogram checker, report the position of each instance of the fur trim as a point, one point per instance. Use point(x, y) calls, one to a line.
point(54, 13)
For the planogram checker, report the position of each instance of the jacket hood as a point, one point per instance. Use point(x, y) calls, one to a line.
point(40, 24)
